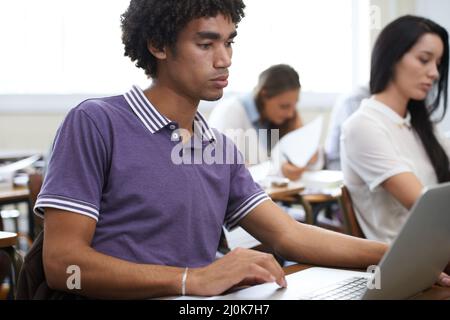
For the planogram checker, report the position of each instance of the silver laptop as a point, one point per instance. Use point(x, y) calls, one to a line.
point(413, 264)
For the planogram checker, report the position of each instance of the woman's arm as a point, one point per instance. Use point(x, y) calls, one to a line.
point(405, 187)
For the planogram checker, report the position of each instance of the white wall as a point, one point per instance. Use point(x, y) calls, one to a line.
point(388, 11)
point(22, 129)
point(28, 131)
point(437, 10)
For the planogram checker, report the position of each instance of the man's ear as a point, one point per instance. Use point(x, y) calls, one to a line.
point(156, 52)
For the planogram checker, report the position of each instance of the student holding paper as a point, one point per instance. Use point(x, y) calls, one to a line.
point(249, 120)
point(390, 148)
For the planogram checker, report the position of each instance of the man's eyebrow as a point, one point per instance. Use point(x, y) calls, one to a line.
point(214, 35)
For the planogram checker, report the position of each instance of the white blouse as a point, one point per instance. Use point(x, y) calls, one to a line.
point(377, 144)
point(238, 118)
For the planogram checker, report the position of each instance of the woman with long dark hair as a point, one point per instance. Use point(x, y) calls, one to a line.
point(391, 148)
point(271, 106)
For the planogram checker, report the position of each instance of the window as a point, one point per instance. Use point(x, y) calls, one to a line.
point(64, 47)
point(69, 47)
point(315, 37)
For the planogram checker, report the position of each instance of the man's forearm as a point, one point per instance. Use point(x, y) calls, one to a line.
point(318, 246)
point(105, 277)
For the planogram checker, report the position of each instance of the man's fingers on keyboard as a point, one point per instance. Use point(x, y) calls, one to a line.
point(271, 264)
point(444, 280)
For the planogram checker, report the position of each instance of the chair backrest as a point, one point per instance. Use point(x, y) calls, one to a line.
point(352, 226)
point(34, 185)
point(7, 243)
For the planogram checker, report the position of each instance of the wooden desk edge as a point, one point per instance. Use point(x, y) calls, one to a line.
point(14, 194)
point(7, 239)
point(281, 193)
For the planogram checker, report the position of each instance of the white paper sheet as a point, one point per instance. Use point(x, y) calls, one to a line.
point(299, 146)
point(239, 238)
point(18, 165)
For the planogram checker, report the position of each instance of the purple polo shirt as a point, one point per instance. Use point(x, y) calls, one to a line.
point(112, 161)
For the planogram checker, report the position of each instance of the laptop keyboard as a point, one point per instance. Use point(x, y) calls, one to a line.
point(349, 289)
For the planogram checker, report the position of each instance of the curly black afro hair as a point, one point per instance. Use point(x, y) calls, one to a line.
point(160, 21)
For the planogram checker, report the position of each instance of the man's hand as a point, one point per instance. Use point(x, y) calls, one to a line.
point(238, 268)
point(291, 171)
point(444, 280)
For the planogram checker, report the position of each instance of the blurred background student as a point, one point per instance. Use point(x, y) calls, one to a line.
point(391, 148)
point(345, 106)
point(271, 106)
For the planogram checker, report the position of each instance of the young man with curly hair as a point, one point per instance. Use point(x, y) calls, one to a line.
point(136, 224)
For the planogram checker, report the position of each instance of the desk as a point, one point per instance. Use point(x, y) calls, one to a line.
point(7, 239)
point(318, 198)
point(293, 193)
point(315, 201)
point(434, 293)
point(285, 193)
point(296, 193)
point(16, 196)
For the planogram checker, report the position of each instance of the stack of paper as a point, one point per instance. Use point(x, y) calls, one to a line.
point(8, 171)
point(324, 179)
point(18, 165)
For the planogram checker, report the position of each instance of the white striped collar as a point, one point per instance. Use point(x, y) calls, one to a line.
point(154, 121)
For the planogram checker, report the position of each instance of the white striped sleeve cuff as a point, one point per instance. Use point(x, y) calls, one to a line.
point(67, 204)
point(244, 209)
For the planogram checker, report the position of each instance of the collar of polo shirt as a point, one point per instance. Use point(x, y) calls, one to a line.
point(154, 121)
point(388, 112)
